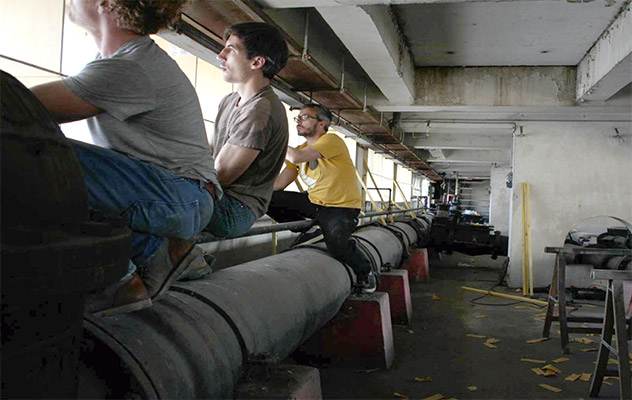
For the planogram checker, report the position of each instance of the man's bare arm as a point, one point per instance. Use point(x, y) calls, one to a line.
point(63, 104)
point(306, 154)
point(232, 161)
point(285, 178)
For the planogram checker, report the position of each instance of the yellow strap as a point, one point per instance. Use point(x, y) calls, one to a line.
point(298, 185)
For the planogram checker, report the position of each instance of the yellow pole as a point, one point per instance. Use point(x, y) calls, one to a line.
point(525, 256)
point(412, 214)
point(382, 220)
point(530, 260)
point(507, 296)
point(366, 168)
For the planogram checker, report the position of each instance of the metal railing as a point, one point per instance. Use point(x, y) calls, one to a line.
point(205, 237)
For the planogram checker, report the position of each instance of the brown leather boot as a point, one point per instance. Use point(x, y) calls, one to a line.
point(122, 297)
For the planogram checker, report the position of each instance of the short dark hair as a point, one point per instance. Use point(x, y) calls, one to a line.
point(322, 113)
point(146, 16)
point(262, 40)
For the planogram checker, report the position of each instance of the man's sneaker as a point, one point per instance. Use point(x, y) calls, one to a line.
point(124, 296)
point(199, 268)
point(366, 283)
point(159, 272)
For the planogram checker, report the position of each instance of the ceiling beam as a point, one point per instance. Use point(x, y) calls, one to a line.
point(495, 86)
point(372, 36)
point(457, 141)
point(607, 67)
point(584, 112)
point(472, 157)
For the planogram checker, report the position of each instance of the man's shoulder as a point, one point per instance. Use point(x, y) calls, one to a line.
point(265, 102)
point(330, 139)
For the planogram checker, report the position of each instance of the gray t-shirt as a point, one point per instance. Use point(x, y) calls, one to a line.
point(259, 123)
point(151, 110)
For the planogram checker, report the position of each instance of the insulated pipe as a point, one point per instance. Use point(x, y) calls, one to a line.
point(198, 339)
point(194, 342)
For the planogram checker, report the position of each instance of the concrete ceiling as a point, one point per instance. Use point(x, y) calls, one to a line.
point(458, 64)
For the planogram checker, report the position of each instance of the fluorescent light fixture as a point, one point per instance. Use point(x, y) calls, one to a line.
point(425, 127)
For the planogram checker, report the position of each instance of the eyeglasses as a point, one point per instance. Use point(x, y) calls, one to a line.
point(304, 117)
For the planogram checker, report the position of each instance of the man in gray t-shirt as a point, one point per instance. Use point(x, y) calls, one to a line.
point(152, 164)
point(251, 132)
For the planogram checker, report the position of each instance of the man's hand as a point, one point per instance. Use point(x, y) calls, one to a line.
point(232, 161)
point(62, 104)
point(306, 154)
point(285, 178)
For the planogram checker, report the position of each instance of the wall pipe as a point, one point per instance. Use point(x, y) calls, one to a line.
point(197, 341)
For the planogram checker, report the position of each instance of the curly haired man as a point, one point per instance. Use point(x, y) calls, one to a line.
point(152, 163)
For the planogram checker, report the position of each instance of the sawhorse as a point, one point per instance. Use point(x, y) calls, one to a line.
point(614, 321)
point(557, 293)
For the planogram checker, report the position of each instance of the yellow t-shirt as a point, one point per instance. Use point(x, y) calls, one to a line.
point(331, 180)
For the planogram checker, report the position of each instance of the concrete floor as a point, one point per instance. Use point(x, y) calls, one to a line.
point(435, 345)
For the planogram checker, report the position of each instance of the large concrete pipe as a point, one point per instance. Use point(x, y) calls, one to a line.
point(197, 341)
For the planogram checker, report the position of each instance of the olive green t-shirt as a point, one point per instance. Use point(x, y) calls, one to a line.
point(259, 123)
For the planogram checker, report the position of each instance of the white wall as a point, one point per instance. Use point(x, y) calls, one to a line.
point(576, 170)
point(499, 202)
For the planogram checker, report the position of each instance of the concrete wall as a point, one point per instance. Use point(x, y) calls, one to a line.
point(576, 170)
point(500, 198)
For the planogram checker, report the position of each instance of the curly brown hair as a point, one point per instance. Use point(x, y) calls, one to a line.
point(146, 16)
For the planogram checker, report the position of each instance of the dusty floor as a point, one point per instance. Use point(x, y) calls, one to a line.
point(436, 346)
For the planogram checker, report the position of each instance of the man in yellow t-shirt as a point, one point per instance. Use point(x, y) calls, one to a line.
point(333, 195)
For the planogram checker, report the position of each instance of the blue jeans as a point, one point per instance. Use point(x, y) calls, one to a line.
point(231, 218)
point(156, 203)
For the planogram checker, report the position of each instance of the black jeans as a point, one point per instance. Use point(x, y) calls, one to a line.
point(336, 223)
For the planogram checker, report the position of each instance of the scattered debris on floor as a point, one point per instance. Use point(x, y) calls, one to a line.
point(572, 377)
point(549, 387)
point(585, 377)
point(472, 388)
point(581, 340)
point(437, 396)
point(532, 341)
point(551, 368)
point(435, 297)
point(531, 360)
point(474, 335)
point(560, 360)
point(424, 379)
point(590, 349)
point(401, 396)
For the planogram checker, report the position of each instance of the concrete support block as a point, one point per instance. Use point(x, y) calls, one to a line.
point(396, 284)
point(417, 266)
point(360, 335)
point(281, 382)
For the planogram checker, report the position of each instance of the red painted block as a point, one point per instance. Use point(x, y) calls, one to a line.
point(281, 382)
point(395, 283)
point(360, 335)
point(417, 266)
